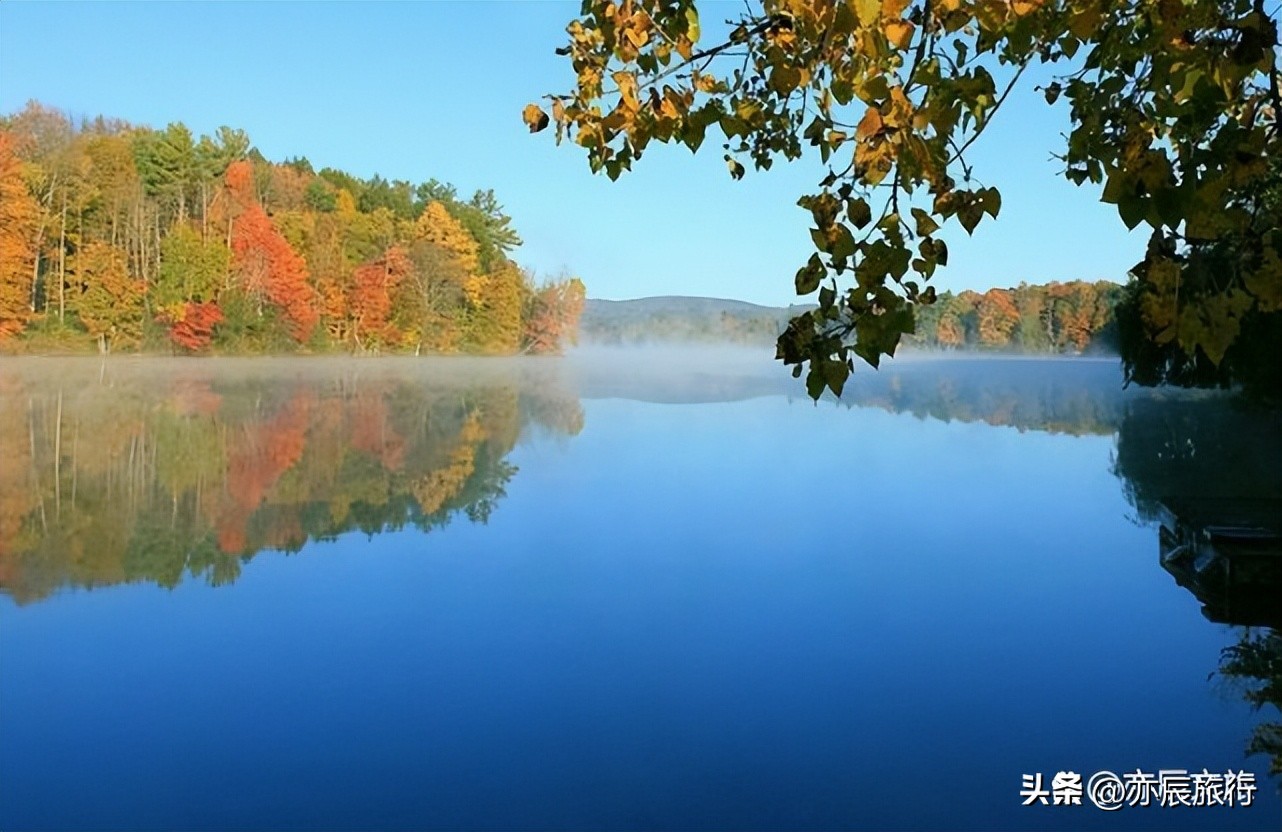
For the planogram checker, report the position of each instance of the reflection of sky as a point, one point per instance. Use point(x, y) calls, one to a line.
point(663, 625)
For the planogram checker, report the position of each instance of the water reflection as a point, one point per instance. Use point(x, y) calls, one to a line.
point(631, 636)
point(155, 470)
point(130, 472)
point(1205, 471)
point(1076, 397)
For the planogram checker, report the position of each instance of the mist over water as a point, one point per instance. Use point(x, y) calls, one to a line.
point(630, 588)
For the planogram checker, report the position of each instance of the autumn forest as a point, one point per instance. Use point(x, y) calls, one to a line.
point(118, 237)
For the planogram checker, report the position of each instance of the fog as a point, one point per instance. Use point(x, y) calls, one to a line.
point(670, 372)
point(1083, 393)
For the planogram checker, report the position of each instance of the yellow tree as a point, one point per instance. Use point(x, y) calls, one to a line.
point(330, 271)
point(429, 305)
point(437, 227)
point(108, 301)
point(113, 177)
point(496, 325)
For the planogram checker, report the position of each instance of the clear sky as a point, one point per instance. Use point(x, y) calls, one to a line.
point(435, 89)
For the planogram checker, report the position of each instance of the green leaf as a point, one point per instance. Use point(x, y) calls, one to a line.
point(969, 215)
point(858, 212)
point(1170, 206)
point(809, 275)
point(926, 224)
point(1118, 186)
point(784, 79)
point(836, 373)
point(991, 200)
point(1132, 209)
point(815, 381)
point(692, 134)
point(842, 241)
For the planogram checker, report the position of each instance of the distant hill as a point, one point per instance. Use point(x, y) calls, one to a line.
point(1050, 318)
point(676, 318)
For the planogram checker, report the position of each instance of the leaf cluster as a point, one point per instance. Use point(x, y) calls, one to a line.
point(1174, 107)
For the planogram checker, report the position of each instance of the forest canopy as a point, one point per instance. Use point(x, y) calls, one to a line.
point(1174, 109)
point(130, 238)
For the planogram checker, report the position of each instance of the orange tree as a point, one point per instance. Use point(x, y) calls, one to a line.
point(1174, 107)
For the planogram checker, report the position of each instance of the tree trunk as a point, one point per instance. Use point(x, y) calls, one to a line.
point(62, 260)
point(156, 254)
point(35, 272)
point(45, 207)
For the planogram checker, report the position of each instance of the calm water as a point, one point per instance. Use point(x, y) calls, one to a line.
point(593, 593)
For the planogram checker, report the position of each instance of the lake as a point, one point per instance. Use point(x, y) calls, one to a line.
point(628, 591)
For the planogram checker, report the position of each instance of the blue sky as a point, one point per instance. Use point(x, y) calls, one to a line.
point(427, 89)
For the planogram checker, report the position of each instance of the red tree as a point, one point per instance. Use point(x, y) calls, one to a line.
point(195, 329)
point(373, 285)
point(267, 266)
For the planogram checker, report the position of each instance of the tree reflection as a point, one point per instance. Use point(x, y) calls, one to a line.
point(130, 473)
point(1067, 396)
point(1205, 469)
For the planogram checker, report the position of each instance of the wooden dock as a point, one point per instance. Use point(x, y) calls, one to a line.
point(1228, 553)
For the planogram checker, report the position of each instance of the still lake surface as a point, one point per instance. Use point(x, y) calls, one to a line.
point(606, 592)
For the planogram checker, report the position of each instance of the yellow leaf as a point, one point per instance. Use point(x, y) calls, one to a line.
point(899, 112)
point(899, 33)
point(637, 37)
point(868, 11)
point(534, 117)
point(627, 88)
point(639, 30)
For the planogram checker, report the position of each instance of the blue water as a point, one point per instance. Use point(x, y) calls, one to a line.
point(750, 614)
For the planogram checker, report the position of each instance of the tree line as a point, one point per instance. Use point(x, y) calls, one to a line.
point(1072, 317)
point(126, 237)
